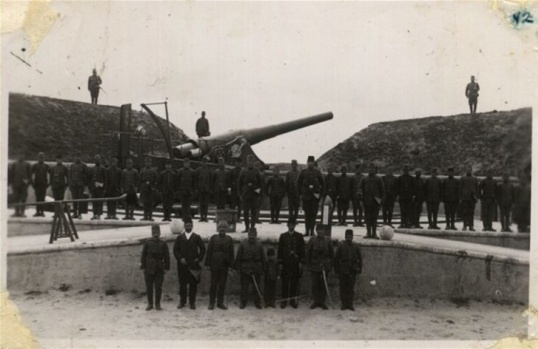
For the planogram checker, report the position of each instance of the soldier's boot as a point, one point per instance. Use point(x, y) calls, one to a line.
point(158, 301)
point(150, 301)
point(283, 304)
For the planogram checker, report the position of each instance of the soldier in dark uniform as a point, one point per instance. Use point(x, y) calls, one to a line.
point(292, 192)
point(468, 197)
point(506, 197)
point(78, 179)
point(344, 185)
point(271, 276)
point(202, 126)
point(185, 182)
point(471, 92)
point(19, 178)
point(40, 182)
point(347, 264)
point(450, 197)
point(522, 204)
point(59, 179)
point(432, 194)
point(418, 198)
point(202, 184)
point(235, 199)
point(94, 84)
point(250, 262)
point(258, 166)
point(250, 186)
point(112, 187)
point(311, 185)
point(220, 258)
point(372, 192)
point(319, 255)
point(130, 180)
point(220, 184)
point(487, 190)
point(155, 262)
point(404, 186)
point(166, 184)
point(148, 182)
point(276, 189)
point(290, 255)
point(189, 250)
point(330, 188)
point(356, 200)
point(389, 183)
point(97, 186)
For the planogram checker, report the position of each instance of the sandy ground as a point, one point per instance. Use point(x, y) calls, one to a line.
point(88, 315)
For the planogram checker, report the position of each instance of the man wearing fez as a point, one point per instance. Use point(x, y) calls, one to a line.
point(19, 178)
point(389, 182)
point(356, 199)
point(59, 179)
point(468, 197)
point(78, 179)
point(185, 182)
point(372, 194)
point(347, 264)
point(189, 250)
point(432, 194)
point(344, 185)
point(148, 182)
point(250, 262)
point(276, 191)
point(292, 192)
point(202, 183)
point(290, 255)
point(404, 188)
point(311, 185)
point(155, 262)
point(319, 255)
point(97, 186)
point(220, 258)
point(250, 187)
point(450, 196)
point(40, 182)
point(487, 192)
point(220, 185)
point(112, 187)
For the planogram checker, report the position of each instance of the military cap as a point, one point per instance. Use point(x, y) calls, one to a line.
point(187, 220)
point(349, 232)
point(292, 221)
point(310, 158)
point(294, 161)
point(222, 225)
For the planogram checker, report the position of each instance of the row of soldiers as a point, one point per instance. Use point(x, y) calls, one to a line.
point(253, 263)
point(243, 189)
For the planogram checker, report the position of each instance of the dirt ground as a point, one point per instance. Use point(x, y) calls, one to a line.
point(86, 315)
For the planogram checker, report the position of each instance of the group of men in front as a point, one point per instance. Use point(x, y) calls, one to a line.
point(252, 263)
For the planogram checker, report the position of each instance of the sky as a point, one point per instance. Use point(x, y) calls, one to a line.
point(250, 64)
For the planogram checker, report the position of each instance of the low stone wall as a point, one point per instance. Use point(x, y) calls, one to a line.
point(391, 269)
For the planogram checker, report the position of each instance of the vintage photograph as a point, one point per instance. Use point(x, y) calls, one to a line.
point(267, 174)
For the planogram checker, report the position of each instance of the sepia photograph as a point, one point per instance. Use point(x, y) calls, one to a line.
point(268, 174)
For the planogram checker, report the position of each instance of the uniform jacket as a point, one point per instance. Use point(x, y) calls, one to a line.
point(167, 181)
point(220, 252)
point(356, 191)
point(113, 181)
point(148, 179)
point(220, 180)
point(291, 252)
point(185, 181)
point(97, 177)
point(250, 258)
point(78, 174)
point(40, 173)
point(404, 185)
point(372, 190)
point(93, 82)
point(271, 270)
point(418, 189)
point(506, 194)
point(344, 187)
point(389, 182)
point(471, 90)
point(330, 185)
point(202, 127)
point(310, 183)
point(487, 189)
point(202, 179)
point(59, 176)
point(432, 189)
point(155, 256)
point(130, 180)
point(468, 188)
point(250, 180)
point(348, 259)
point(319, 253)
point(291, 183)
point(450, 191)
point(233, 180)
point(20, 174)
point(276, 186)
point(191, 249)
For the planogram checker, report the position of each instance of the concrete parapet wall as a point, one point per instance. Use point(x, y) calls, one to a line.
point(390, 269)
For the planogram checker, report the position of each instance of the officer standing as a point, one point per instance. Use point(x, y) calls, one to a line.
point(344, 185)
point(487, 190)
point(155, 262)
point(94, 85)
point(373, 192)
point(148, 181)
point(130, 180)
point(468, 197)
point(450, 195)
point(389, 183)
point(506, 197)
point(166, 184)
point(292, 192)
point(276, 191)
point(20, 177)
point(78, 179)
point(347, 264)
point(319, 255)
point(357, 203)
point(112, 187)
point(432, 194)
point(404, 186)
point(290, 255)
point(471, 92)
point(220, 184)
point(97, 186)
point(202, 184)
point(250, 262)
point(311, 185)
point(189, 250)
point(40, 182)
point(220, 258)
point(250, 186)
point(59, 179)
point(185, 182)
point(202, 126)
